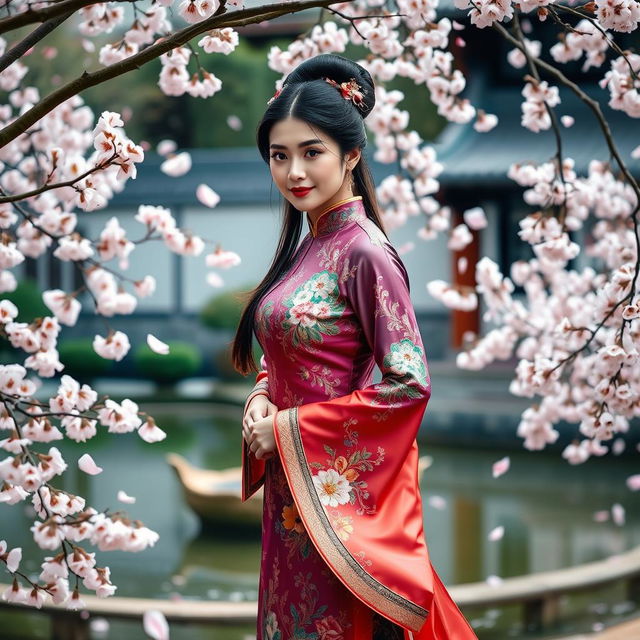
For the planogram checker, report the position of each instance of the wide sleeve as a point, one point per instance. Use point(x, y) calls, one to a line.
point(252, 468)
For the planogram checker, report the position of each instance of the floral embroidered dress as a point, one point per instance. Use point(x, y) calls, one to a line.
point(344, 555)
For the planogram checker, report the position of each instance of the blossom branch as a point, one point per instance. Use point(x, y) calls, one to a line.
point(218, 20)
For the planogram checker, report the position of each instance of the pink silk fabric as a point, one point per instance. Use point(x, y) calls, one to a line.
point(343, 546)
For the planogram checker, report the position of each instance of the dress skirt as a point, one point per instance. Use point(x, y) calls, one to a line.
point(299, 595)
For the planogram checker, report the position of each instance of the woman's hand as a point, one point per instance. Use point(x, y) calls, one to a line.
point(257, 427)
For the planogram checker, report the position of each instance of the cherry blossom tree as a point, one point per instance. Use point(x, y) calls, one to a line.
point(575, 333)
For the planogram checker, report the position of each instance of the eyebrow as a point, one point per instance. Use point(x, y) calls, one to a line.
point(302, 144)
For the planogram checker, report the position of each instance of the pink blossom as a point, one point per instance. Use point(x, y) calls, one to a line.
point(79, 429)
point(12, 494)
point(8, 311)
point(145, 287)
point(49, 534)
point(114, 347)
point(120, 418)
point(15, 593)
point(65, 307)
point(150, 432)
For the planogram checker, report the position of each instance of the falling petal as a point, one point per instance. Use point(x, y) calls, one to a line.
point(157, 345)
point(618, 513)
point(234, 123)
point(618, 446)
point(177, 165)
point(165, 147)
point(207, 196)
point(567, 121)
point(633, 482)
point(501, 467)
point(636, 152)
point(406, 247)
point(601, 516)
point(494, 581)
point(496, 534)
point(437, 502)
point(215, 280)
point(155, 625)
point(86, 464)
point(123, 497)
point(462, 264)
point(475, 218)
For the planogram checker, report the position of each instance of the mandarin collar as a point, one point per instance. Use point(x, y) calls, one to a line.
point(338, 215)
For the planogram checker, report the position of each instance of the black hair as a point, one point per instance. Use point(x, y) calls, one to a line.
point(307, 96)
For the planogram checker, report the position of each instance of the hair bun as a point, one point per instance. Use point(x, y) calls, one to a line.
point(339, 69)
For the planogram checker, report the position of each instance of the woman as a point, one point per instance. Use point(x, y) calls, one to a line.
point(343, 548)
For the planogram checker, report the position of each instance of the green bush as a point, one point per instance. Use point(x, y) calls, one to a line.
point(182, 361)
point(80, 360)
point(28, 298)
point(223, 311)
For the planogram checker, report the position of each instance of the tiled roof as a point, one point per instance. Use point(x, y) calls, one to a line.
point(472, 158)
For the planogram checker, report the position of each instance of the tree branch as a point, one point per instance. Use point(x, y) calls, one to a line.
point(86, 80)
point(32, 39)
point(31, 16)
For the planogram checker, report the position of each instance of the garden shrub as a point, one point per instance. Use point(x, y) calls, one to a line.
point(80, 359)
point(223, 310)
point(182, 361)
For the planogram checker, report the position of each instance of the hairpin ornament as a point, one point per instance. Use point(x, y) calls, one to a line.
point(350, 91)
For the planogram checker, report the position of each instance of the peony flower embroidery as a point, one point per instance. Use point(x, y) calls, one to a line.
point(291, 518)
point(333, 489)
point(329, 629)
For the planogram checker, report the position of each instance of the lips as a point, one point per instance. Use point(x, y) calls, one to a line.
point(301, 191)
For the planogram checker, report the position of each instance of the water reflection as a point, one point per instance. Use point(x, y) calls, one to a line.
point(545, 506)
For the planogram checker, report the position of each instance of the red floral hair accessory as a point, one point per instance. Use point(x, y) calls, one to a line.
point(349, 90)
point(274, 96)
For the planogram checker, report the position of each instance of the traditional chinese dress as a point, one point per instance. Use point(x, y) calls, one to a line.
point(344, 555)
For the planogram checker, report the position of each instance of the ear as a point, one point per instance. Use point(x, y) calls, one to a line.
point(353, 157)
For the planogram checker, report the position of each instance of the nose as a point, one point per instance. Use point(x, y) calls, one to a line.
point(296, 170)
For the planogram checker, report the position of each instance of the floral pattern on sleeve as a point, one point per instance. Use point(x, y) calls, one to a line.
point(339, 480)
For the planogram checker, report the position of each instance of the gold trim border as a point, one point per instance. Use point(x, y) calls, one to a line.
point(372, 592)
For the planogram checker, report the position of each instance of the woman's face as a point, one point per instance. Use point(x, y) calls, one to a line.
point(302, 157)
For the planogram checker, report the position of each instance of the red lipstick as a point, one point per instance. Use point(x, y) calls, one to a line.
point(301, 192)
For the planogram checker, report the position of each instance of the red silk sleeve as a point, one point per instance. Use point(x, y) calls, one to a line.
point(252, 468)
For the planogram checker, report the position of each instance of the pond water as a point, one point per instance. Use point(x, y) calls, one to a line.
point(545, 506)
